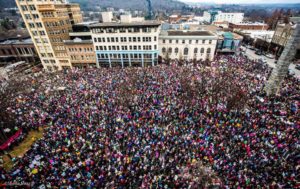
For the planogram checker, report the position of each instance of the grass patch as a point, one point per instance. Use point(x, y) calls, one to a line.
point(21, 149)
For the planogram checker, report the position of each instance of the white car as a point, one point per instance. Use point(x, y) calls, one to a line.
point(270, 56)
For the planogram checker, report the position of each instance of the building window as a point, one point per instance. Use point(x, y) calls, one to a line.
point(186, 51)
point(203, 41)
point(202, 50)
point(190, 41)
point(32, 7)
point(164, 41)
point(177, 41)
point(210, 41)
point(208, 50)
point(122, 30)
point(176, 50)
point(183, 41)
point(170, 50)
point(196, 50)
point(24, 8)
point(164, 50)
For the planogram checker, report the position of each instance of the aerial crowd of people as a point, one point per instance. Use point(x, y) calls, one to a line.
point(144, 127)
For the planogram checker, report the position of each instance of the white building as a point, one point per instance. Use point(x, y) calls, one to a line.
point(187, 45)
point(126, 43)
point(260, 34)
point(219, 16)
point(106, 16)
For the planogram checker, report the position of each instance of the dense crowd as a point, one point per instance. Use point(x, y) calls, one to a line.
point(142, 127)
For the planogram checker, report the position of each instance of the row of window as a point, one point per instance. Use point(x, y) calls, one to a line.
point(57, 32)
point(44, 40)
point(45, 55)
point(57, 24)
point(35, 33)
point(28, 16)
point(124, 39)
point(82, 57)
point(125, 48)
point(81, 49)
point(29, 7)
point(185, 51)
point(21, 51)
point(125, 56)
point(49, 61)
point(38, 25)
point(186, 41)
point(48, 14)
point(125, 30)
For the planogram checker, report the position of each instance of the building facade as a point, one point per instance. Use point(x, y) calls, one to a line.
point(219, 16)
point(18, 50)
point(126, 44)
point(81, 52)
point(187, 45)
point(49, 23)
point(248, 26)
point(281, 36)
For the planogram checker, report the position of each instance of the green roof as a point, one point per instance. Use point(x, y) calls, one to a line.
point(228, 35)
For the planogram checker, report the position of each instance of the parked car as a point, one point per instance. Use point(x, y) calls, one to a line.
point(270, 56)
point(258, 53)
point(297, 67)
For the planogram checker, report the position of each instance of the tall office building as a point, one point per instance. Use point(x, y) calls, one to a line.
point(129, 42)
point(49, 23)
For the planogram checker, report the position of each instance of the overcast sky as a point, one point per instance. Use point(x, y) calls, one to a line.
point(242, 1)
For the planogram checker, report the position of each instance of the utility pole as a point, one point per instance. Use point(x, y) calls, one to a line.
point(282, 67)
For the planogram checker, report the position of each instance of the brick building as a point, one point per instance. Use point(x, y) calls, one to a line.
point(248, 26)
point(15, 50)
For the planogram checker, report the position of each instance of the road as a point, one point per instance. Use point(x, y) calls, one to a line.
point(251, 54)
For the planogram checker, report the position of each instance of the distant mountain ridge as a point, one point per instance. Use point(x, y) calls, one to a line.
point(124, 4)
point(131, 4)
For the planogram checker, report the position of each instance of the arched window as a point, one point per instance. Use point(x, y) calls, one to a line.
point(196, 50)
point(186, 51)
point(202, 50)
point(176, 50)
point(170, 50)
point(164, 50)
point(208, 50)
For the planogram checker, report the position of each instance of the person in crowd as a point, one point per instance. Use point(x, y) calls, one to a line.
point(147, 127)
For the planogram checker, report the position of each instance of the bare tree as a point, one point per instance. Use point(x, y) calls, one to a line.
point(9, 89)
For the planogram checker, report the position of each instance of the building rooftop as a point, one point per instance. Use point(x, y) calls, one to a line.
point(189, 33)
point(17, 41)
point(251, 24)
point(120, 24)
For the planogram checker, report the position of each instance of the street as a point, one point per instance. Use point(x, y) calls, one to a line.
point(251, 54)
